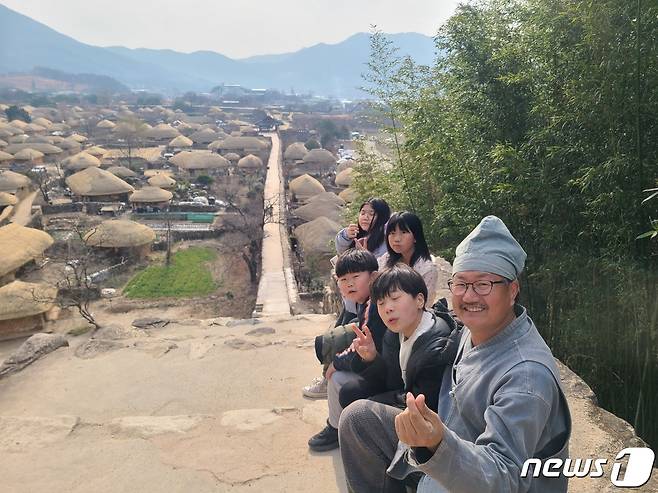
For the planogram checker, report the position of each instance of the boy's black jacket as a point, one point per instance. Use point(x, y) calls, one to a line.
point(430, 354)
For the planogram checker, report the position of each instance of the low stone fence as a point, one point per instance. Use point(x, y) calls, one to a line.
point(62, 208)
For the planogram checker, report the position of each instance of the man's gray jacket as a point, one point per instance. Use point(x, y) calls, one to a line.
point(501, 403)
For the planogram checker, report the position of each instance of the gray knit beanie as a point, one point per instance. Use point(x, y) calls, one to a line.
point(490, 247)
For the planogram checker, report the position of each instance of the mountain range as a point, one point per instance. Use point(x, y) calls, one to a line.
point(323, 69)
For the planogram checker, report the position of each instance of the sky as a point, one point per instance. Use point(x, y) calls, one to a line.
point(235, 28)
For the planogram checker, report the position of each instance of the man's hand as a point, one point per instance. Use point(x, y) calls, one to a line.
point(364, 344)
point(418, 425)
point(330, 371)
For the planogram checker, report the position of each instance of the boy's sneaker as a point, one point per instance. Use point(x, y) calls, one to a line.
point(317, 389)
point(326, 440)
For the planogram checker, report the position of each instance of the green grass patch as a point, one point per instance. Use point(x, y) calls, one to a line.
point(187, 276)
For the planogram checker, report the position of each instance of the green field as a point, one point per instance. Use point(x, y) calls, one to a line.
point(188, 275)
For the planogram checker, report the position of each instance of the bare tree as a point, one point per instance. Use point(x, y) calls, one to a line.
point(132, 131)
point(76, 286)
point(246, 221)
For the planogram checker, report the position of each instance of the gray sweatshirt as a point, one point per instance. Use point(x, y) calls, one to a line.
point(501, 404)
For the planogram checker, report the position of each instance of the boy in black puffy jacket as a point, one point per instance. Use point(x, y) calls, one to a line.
point(416, 348)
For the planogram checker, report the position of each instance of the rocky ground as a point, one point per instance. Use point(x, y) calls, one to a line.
point(198, 405)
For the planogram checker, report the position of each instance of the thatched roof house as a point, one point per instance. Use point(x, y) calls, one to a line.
point(162, 181)
point(151, 195)
point(5, 157)
point(152, 172)
point(319, 208)
point(242, 145)
point(180, 141)
point(24, 308)
point(106, 124)
point(7, 199)
point(321, 157)
point(327, 197)
point(304, 187)
point(250, 162)
point(19, 245)
point(98, 184)
point(96, 151)
point(316, 237)
point(345, 177)
point(348, 195)
point(29, 155)
point(122, 172)
point(81, 160)
point(44, 122)
point(78, 138)
point(43, 147)
point(194, 161)
point(204, 136)
point(162, 131)
point(11, 182)
point(295, 152)
point(232, 157)
point(119, 233)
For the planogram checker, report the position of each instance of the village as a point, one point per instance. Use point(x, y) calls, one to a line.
point(91, 197)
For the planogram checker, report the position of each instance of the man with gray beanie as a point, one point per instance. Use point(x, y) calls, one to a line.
point(500, 404)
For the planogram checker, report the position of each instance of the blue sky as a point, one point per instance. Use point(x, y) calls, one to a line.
point(236, 28)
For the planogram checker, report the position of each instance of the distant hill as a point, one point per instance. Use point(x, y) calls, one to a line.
point(329, 70)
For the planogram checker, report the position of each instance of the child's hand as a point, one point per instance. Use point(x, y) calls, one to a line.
point(352, 231)
point(364, 344)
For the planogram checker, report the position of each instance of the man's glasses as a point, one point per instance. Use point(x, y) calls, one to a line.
point(483, 288)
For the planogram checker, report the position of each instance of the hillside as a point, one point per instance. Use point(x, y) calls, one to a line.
point(329, 70)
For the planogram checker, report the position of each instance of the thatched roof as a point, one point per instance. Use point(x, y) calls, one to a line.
point(5, 156)
point(3, 143)
point(7, 199)
point(162, 131)
point(68, 144)
point(242, 143)
point(33, 127)
point(327, 197)
point(19, 245)
point(81, 160)
point(233, 157)
point(92, 182)
point(18, 124)
point(152, 172)
point(151, 194)
point(180, 141)
point(28, 155)
point(20, 299)
point(345, 164)
point(43, 147)
point(18, 139)
point(205, 136)
point(345, 177)
point(96, 151)
point(105, 124)
point(348, 195)
point(10, 181)
point(121, 171)
point(149, 154)
point(199, 160)
point(305, 186)
point(161, 180)
point(78, 138)
point(320, 156)
point(44, 122)
point(317, 236)
point(119, 233)
point(296, 150)
point(250, 162)
point(318, 208)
